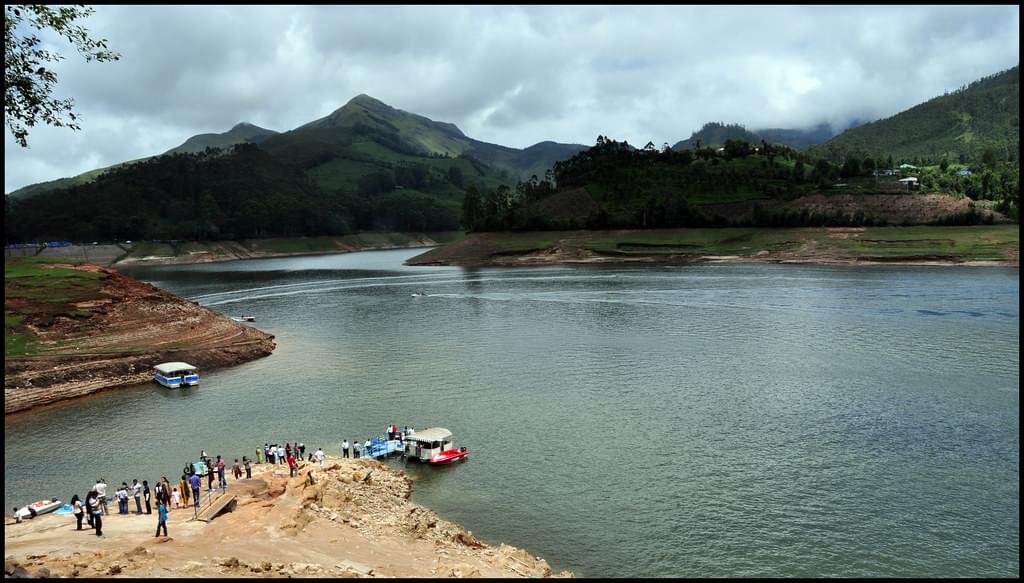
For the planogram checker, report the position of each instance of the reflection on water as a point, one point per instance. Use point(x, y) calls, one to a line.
point(707, 421)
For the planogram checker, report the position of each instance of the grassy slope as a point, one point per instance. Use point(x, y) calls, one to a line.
point(37, 293)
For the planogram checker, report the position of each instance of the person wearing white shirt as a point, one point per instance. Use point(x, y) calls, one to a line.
point(319, 455)
point(344, 448)
point(101, 491)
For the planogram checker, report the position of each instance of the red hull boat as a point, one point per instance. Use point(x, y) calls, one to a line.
point(449, 456)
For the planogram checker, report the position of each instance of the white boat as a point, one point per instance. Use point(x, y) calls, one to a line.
point(248, 318)
point(433, 446)
point(40, 507)
point(175, 374)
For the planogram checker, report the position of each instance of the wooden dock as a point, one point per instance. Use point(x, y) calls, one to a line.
point(224, 502)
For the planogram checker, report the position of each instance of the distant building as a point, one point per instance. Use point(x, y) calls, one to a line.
point(911, 182)
point(884, 172)
point(964, 172)
point(908, 167)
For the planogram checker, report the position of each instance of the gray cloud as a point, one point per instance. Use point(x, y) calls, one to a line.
point(505, 74)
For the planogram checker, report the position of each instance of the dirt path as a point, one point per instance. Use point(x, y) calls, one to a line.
point(353, 520)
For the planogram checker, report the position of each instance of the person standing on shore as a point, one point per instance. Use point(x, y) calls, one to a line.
point(147, 495)
point(355, 448)
point(258, 458)
point(248, 467)
point(158, 492)
point(292, 465)
point(209, 478)
point(76, 504)
point(122, 498)
point(161, 510)
point(176, 498)
point(137, 494)
point(319, 455)
point(236, 470)
point(220, 473)
point(96, 509)
point(88, 508)
point(197, 483)
point(185, 488)
point(344, 448)
point(101, 493)
point(167, 492)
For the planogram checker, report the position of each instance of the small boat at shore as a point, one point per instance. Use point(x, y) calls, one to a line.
point(433, 446)
point(176, 374)
point(248, 318)
point(40, 507)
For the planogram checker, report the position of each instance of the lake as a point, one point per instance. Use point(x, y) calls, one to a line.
point(726, 420)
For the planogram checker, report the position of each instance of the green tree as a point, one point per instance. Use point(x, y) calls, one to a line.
point(28, 84)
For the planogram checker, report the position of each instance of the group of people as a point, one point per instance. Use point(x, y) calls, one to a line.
point(188, 490)
point(95, 505)
point(291, 455)
point(357, 449)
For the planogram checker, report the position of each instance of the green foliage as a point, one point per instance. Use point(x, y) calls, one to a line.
point(979, 121)
point(28, 84)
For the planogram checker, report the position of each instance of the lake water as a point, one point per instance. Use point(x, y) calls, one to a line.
point(701, 421)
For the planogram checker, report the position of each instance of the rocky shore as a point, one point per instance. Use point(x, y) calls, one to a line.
point(116, 340)
point(352, 519)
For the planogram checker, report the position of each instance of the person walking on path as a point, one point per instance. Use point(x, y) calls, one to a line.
point(292, 465)
point(161, 510)
point(220, 473)
point(76, 504)
point(96, 508)
point(137, 494)
point(176, 498)
point(344, 448)
point(248, 467)
point(319, 455)
point(148, 496)
point(197, 483)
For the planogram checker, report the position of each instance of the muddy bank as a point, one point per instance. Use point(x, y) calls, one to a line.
point(115, 341)
point(825, 246)
point(351, 519)
point(213, 252)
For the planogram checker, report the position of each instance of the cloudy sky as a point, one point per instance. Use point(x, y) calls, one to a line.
point(507, 75)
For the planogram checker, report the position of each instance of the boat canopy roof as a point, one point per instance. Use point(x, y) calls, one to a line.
point(169, 367)
point(429, 435)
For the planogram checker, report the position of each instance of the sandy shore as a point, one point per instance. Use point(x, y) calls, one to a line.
point(352, 519)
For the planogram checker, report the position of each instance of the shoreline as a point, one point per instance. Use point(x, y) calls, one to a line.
point(131, 329)
point(354, 518)
point(983, 246)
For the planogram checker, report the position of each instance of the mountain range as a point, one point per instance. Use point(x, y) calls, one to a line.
point(370, 166)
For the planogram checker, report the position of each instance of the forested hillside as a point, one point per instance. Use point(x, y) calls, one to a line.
point(980, 119)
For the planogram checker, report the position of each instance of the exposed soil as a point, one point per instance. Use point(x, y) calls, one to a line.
point(352, 519)
point(132, 328)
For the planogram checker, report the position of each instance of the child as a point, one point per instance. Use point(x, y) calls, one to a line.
point(176, 498)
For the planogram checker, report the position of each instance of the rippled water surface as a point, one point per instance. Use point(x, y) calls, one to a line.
point(708, 421)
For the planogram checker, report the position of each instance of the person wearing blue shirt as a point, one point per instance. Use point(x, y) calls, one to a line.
point(196, 484)
point(162, 517)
